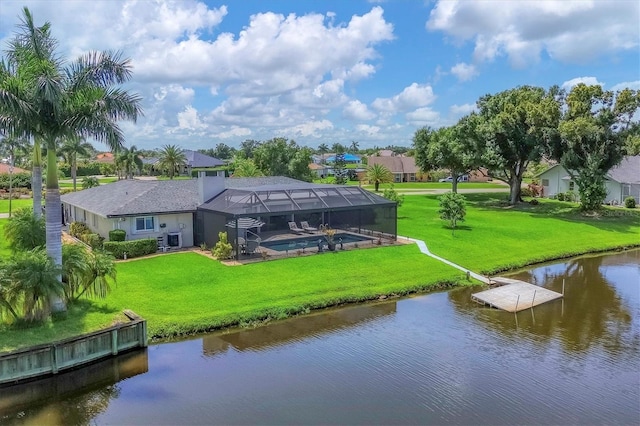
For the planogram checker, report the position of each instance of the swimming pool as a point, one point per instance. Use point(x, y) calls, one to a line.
point(311, 241)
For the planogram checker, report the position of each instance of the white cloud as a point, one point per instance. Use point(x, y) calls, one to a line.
point(424, 117)
point(464, 72)
point(310, 128)
point(189, 120)
point(589, 81)
point(356, 110)
point(234, 132)
point(369, 130)
point(633, 85)
point(415, 95)
point(461, 110)
point(570, 31)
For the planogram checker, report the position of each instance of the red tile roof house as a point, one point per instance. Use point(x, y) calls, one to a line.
point(4, 169)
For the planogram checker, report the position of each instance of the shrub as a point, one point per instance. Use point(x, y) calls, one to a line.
point(534, 202)
point(526, 192)
point(133, 248)
point(391, 194)
point(92, 240)
point(452, 209)
point(76, 229)
point(90, 182)
point(18, 180)
point(630, 202)
point(117, 235)
point(223, 248)
point(560, 196)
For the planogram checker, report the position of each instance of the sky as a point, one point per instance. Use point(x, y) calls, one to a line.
point(335, 71)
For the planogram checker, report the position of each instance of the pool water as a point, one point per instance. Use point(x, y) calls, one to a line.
point(311, 241)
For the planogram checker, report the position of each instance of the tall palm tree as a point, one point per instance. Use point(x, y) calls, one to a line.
point(170, 158)
point(377, 173)
point(354, 147)
point(127, 159)
point(41, 97)
point(70, 149)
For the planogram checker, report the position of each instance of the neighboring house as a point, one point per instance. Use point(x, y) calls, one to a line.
point(404, 169)
point(319, 170)
point(621, 182)
point(184, 213)
point(4, 169)
point(348, 159)
point(105, 157)
point(195, 161)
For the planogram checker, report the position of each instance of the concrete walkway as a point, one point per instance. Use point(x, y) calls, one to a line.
point(4, 215)
point(424, 249)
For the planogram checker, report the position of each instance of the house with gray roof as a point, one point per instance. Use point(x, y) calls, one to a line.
point(621, 181)
point(184, 213)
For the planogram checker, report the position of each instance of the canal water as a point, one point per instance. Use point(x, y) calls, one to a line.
point(433, 359)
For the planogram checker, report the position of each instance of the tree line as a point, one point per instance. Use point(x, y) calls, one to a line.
point(587, 130)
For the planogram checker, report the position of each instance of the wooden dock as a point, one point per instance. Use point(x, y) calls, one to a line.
point(514, 295)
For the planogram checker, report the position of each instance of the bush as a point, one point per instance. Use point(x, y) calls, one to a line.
point(560, 196)
point(526, 192)
point(18, 180)
point(92, 240)
point(76, 229)
point(117, 235)
point(223, 249)
point(630, 202)
point(133, 248)
point(534, 202)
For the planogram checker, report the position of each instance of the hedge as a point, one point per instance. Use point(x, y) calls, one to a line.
point(18, 180)
point(76, 229)
point(93, 240)
point(117, 235)
point(133, 248)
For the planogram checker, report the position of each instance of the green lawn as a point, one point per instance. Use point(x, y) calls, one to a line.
point(4, 248)
point(417, 186)
point(496, 237)
point(15, 204)
point(186, 292)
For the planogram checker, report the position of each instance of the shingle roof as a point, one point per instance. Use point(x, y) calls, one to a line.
point(132, 196)
point(396, 164)
point(196, 159)
point(628, 171)
point(4, 169)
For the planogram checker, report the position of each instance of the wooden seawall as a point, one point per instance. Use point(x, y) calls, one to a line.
point(53, 358)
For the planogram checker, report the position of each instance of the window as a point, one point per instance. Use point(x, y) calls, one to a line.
point(572, 185)
point(545, 182)
point(412, 177)
point(94, 218)
point(145, 223)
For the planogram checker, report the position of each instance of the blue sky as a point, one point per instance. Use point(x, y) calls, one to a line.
point(336, 71)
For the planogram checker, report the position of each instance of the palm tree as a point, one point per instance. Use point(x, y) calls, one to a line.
point(127, 159)
point(322, 150)
point(33, 278)
point(71, 148)
point(87, 271)
point(354, 147)
point(11, 145)
point(377, 173)
point(171, 157)
point(42, 98)
point(25, 231)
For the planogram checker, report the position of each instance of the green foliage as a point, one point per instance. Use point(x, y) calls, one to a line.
point(452, 209)
point(630, 202)
point(94, 241)
point(76, 229)
point(279, 157)
point(244, 167)
point(223, 249)
point(29, 279)
point(90, 182)
point(117, 235)
point(377, 173)
point(593, 136)
point(107, 169)
point(133, 248)
point(127, 160)
point(18, 180)
point(86, 272)
point(171, 158)
point(24, 231)
point(339, 165)
point(391, 194)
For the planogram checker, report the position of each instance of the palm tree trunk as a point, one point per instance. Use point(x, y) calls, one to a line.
point(74, 171)
point(53, 218)
point(36, 179)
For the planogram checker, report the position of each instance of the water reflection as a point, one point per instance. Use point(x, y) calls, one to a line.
point(74, 397)
point(294, 329)
point(591, 313)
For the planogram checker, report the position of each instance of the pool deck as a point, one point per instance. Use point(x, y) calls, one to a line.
point(514, 295)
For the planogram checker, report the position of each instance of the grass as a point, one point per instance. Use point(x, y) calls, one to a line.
point(4, 246)
point(15, 204)
point(417, 186)
point(496, 237)
point(186, 293)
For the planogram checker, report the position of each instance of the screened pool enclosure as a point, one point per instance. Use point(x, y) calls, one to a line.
point(274, 203)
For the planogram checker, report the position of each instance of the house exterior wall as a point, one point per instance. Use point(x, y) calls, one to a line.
point(178, 222)
point(554, 182)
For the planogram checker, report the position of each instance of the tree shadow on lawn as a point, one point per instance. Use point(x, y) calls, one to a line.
point(613, 220)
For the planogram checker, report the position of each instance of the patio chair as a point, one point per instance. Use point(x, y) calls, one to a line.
point(305, 225)
point(293, 227)
point(251, 246)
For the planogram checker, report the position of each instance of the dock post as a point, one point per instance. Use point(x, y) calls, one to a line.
point(533, 300)
point(517, 301)
point(563, 287)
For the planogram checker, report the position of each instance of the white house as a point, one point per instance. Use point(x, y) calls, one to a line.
point(622, 181)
